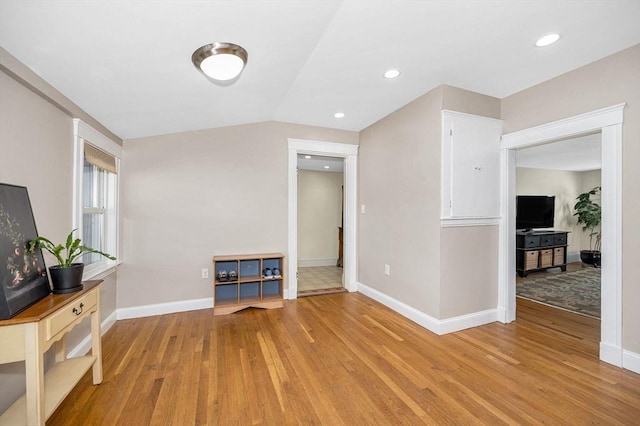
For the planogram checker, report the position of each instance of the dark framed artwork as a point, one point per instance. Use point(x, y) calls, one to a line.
point(23, 276)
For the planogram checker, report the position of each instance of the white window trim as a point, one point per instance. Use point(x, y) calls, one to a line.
point(83, 132)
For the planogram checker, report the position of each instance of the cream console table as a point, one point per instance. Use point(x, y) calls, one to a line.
point(28, 335)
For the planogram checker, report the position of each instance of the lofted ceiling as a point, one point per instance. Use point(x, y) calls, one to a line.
point(128, 63)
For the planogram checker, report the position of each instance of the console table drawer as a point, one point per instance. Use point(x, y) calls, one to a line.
point(80, 308)
point(560, 239)
point(531, 241)
point(547, 240)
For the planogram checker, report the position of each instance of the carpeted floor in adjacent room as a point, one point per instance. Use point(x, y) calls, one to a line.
point(576, 291)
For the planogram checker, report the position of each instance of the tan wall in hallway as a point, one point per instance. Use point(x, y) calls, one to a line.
point(609, 81)
point(319, 217)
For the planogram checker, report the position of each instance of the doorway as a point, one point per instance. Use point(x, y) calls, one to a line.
point(348, 153)
point(557, 173)
point(320, 224)
point(609, 122)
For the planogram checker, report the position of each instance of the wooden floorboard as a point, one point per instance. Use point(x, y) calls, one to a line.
point(344, 359)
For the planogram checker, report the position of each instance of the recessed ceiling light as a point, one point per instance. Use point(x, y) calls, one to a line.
point(307, 156)
point(547, 40)
point(327, 167)
point(391, 74)
point(339, 115)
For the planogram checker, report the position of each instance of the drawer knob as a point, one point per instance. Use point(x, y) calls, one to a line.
point(78, 311)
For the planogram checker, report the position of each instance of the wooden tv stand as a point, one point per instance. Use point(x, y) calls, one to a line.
point(28, 335)
point(540, 250)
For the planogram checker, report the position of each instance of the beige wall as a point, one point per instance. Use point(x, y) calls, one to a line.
point(189, 196)
point(36, 151)
point(566, 186)
point(469, 270)
point(399, 183)
point(609, 81)
point(319, 217)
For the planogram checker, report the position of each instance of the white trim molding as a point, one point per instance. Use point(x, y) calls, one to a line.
point(305, 263)
point(165, 308)
point(579, 124)
point(453, 222)
point(439, 327)
point(608, 121)
point(631, 361)
point(330, 149)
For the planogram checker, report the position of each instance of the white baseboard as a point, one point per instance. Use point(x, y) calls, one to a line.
point(462, 322)
point(611, 354)
point(85, 345)
point(631, 361)
point(165, 308)
point(402, 308)
point(432, 324)
point(305, 263)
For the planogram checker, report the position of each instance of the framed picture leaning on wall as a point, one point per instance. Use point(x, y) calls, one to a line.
point(23, 276)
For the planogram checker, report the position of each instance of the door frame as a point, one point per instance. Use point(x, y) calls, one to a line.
point(328, 149)
point(608, 121)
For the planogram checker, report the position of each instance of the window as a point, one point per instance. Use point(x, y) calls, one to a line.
point(96, 196)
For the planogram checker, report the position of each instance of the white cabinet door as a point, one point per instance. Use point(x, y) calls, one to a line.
point(470, 166)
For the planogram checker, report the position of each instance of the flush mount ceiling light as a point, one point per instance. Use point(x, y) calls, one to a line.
point(220, 61)
point(391, 74)
point(339, 115)
point(547, 40)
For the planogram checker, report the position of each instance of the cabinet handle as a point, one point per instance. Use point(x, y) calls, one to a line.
point(78, 311)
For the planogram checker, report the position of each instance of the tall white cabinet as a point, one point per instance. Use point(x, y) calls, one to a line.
point(470, 169)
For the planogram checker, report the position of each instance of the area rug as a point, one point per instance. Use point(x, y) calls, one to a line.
point(577, 291)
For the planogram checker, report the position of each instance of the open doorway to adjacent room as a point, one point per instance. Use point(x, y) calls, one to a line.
point(320, 224)
point(348, 155)
point(552, 281)
point(608, 122)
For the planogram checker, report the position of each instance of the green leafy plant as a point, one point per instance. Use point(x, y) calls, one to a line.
point(67, 254)
point(589, 216)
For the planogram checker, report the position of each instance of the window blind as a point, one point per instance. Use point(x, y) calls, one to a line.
point(100, 158)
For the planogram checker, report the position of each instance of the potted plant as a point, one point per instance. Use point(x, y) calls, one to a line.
point(66, 277)
point(589, 214)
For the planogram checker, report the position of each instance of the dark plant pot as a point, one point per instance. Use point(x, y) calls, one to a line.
point(591, 257)
point(66, 279)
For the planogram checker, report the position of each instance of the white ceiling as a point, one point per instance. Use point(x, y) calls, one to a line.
point(128, 63)
point(578, 154)
point(321, 164)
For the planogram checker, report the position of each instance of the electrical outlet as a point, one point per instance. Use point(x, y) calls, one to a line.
point(205, 273)
point(363, 209)
point(387, 269)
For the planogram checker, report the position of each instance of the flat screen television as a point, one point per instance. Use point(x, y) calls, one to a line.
point(534, 211)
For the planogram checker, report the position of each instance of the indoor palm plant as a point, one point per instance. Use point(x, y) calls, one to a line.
point(589, 216)
point(66, 277)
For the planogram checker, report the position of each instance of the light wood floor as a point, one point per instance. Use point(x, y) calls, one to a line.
point(345, 359)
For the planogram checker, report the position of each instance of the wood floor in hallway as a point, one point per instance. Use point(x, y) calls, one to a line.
point(344, 359)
